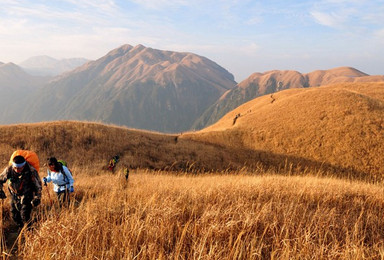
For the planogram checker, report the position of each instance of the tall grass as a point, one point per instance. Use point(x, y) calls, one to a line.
point(158, 215)
point(85, 143)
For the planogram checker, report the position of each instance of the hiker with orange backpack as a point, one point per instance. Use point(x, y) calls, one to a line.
point(61, 178)
point(25, 189)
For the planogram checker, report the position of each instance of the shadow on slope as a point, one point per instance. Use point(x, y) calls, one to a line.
point(92, 145)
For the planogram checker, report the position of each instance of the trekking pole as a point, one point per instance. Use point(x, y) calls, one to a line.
point(3, 244)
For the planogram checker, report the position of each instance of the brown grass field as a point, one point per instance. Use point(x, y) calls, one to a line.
point(203, 195)
point(158, 215)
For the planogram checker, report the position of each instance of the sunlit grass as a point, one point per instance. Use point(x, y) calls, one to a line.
point(340, 125)
point(219, 216)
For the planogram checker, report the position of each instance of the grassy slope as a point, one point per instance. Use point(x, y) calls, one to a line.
point(93, 144)
point(341, 125)
point(163, 216)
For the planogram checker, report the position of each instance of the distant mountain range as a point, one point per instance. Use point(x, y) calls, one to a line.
point(143, 88)
point(48, 66)
point(136, 86)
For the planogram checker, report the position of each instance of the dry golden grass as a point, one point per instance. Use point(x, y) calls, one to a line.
point(220, 216)
point(340, 125)
point(85, 143)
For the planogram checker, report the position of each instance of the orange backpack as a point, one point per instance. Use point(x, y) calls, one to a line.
point(30, 156)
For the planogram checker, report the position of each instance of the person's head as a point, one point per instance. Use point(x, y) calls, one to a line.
point(18, 163)
point(53, 164)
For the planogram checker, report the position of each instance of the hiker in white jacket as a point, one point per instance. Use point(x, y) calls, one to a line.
point(61, 178)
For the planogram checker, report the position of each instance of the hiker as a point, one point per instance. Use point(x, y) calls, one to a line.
point(61, 178)
point(113, 162)
point(126, 173)
point(111, 165)
point(25, 189)
point(235, 118)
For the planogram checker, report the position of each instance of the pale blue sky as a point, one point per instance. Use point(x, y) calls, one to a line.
point(243, 36)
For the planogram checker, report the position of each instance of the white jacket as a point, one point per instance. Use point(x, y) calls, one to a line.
point(60, 182)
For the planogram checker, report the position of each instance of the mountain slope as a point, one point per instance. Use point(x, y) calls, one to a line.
point(15, 88)
point(12, 77)
point(340, 124)
point(259, 84)
point(135, 86)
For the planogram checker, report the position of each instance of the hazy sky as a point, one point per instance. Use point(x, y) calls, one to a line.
point(243, 36)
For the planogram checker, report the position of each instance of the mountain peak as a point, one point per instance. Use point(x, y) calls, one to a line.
point(12, 68)
point(119, 51)
point(349, 71)
point(139, 47)
point(339, 72)
point(139, 87)
point(144, 64)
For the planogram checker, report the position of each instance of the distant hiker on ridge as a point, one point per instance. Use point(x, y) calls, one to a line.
point(236, 117)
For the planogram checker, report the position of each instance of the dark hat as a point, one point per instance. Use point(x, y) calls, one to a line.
point(52, 160)
point(18, 161)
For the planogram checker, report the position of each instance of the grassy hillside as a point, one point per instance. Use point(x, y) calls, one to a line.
point(93, 144)
point(340, 125)
point(164, 216)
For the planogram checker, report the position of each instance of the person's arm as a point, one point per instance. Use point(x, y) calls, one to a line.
point(38, 186)
point(47, 178)
point(3, 177)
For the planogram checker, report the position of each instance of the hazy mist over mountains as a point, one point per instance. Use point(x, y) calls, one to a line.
point(48, 66)
point(142, 88)
point(15, 88)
